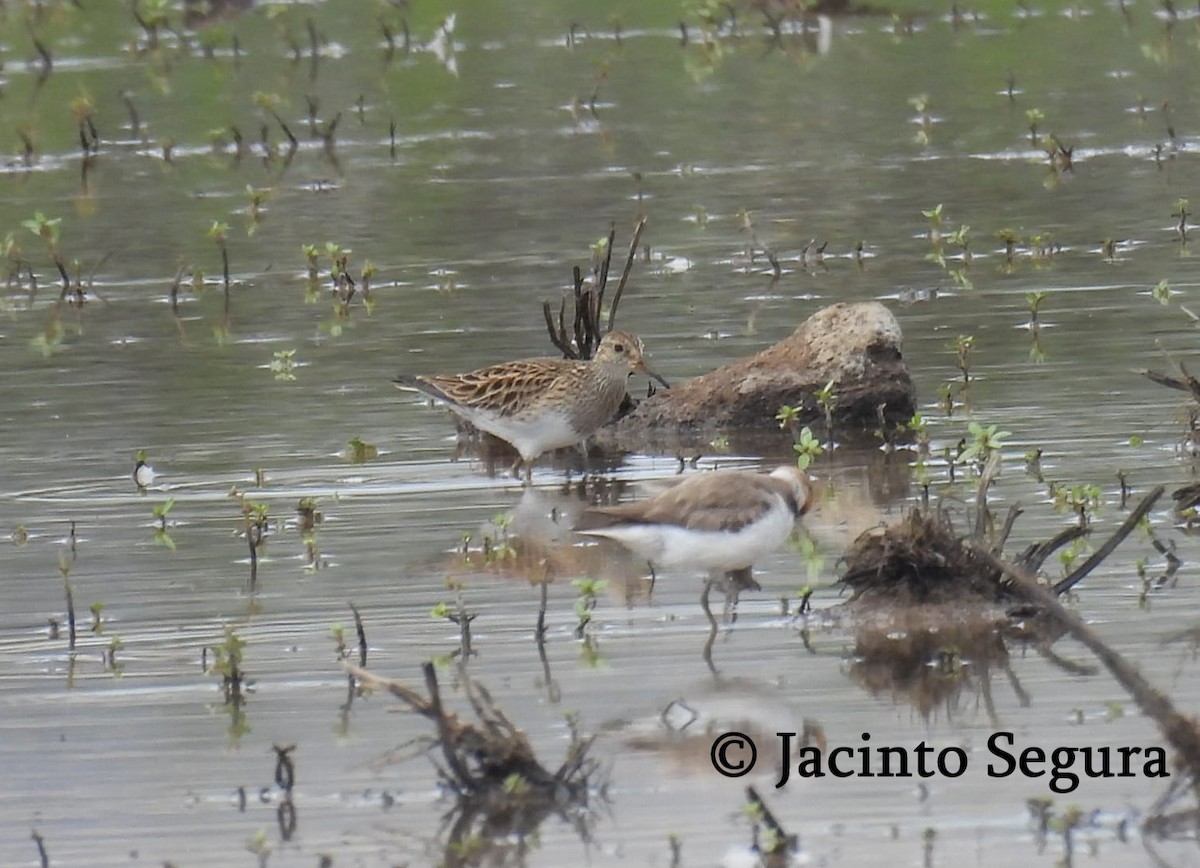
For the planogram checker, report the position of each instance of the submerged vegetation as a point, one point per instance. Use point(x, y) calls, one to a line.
point(502, 791)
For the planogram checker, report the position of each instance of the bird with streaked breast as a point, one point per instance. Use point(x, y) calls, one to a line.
point(538, 405)
point(720, 521)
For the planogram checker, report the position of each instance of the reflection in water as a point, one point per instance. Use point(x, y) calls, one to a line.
point(771, 843)
point(502, 791)
point(202, 13)
point(501, 828)
point(553, 692)
point(533, 540)
point(933, 660)
point(227, 663)
point(682, 731)
point(499, 458)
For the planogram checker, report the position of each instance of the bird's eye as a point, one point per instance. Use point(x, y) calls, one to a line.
point(620, 348)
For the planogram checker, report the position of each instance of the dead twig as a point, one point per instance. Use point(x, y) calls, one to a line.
point(633, 244)
point(1132, 520)
point(1035, 555)
point(778, 843)
point(586, 328)
point(982, 514)
point(1185, 382)
point(1180, 731)
point(1014, 512)
point(362, 635)
point(482, 757)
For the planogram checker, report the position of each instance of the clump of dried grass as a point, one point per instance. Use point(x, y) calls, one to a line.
point(921, 559)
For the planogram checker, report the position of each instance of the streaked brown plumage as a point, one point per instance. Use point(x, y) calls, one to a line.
point(541, 404)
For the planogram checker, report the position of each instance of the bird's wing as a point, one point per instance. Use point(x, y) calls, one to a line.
point(502, 388)
point(707, 501)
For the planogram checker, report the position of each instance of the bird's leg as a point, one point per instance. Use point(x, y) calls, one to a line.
point(724, 581)
point(528, 473)
point(734, 582)
point(732, 591)
point(743, 579)
point(653, 578)
point(706, 652)
point(583, 452)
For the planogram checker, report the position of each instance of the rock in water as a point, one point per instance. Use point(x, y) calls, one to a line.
point(858, 346)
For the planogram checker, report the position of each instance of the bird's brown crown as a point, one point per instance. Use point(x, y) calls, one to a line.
point(621, 348)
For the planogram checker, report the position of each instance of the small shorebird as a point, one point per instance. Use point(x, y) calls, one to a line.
point(541, 404)
point(720, 521)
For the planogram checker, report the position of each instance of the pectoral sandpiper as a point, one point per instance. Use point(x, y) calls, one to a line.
point(720, 521)
point(541, 404)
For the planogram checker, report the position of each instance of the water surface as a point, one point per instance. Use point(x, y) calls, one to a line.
point(501, 179)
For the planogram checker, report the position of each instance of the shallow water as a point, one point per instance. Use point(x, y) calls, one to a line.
point(500, 181)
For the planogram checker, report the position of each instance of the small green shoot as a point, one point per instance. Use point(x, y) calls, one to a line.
point(312, 258)
point(259, 847)
point(359, 451)
point(1010, 238)
point(807, 448)
point(254, 212)
point(959, 238)
point(585, 602)
point(1033, 301)
point(1034, 117)
point(1081, 500)
point(934, 216)
point(161, 534)
point(920, 103)
point(338, 634)
point(983, 442)
point(282, 364)
point(920, 429)
point(516, 785)
point(827, 399)
point(227, 663)
point(115, 644)
point(814, 561)
point(962, 347)
point(97, 620)
point(45, 228)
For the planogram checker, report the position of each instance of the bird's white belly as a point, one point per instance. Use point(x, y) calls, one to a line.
point(530, 437)
point(673, 546)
